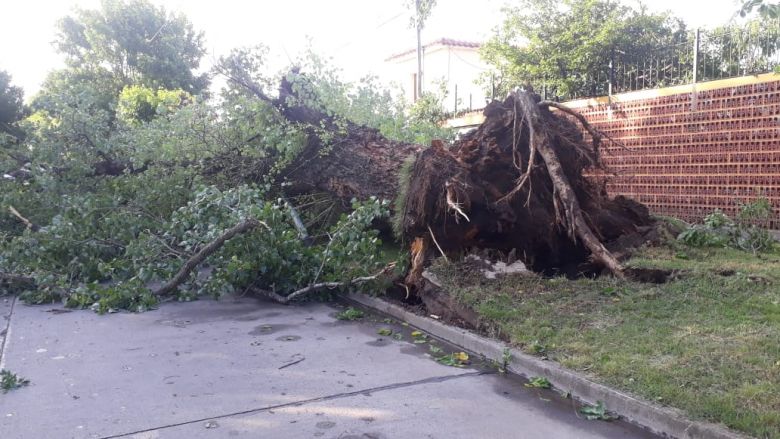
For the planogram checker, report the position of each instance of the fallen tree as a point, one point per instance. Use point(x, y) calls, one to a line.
point(524, 186)
point(526, 183)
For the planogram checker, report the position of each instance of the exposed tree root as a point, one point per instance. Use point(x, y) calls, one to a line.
point(559, 225)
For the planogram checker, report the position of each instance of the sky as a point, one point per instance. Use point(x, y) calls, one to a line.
point(358, 34)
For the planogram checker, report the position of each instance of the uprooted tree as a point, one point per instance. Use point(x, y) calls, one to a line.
point(525, 182)
point(518, 185)
point(118, 197)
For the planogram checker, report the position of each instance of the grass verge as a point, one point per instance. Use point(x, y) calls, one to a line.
point(707, 342)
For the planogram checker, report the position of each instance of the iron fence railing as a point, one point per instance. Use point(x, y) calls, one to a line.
point(700, 55)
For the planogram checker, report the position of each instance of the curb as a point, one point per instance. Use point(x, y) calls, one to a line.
point(665, 421)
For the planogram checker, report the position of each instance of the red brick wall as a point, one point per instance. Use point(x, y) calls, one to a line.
point(694, 152)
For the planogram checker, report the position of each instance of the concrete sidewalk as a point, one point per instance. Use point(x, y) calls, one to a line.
point(254, 369)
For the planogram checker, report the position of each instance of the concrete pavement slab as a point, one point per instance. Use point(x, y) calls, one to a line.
point(468, 406)
point(238, 361)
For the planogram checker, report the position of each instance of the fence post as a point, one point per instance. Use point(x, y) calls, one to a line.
point(696, 40)
point(456, 98)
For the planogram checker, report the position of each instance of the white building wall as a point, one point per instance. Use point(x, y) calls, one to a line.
point(457, 67)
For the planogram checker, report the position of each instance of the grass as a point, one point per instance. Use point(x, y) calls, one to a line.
point(707, 342)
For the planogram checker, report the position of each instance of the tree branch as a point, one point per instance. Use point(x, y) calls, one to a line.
point(247, 84)
point(192, 263)
point(16, 278)
point(303, 234)
point(29, 224)
point(323, 286)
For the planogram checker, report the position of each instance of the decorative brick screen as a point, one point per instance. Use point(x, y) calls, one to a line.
point(694, 150)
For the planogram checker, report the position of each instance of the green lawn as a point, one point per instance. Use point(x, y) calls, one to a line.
point(707, 342)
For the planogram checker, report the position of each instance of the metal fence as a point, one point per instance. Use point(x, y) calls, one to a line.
point(700, 55)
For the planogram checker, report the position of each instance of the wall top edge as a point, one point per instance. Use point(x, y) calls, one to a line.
point(675, 90)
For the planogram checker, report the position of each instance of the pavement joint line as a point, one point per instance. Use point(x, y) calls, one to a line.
point(666, 421)
point(437, 379)
point(7, 335)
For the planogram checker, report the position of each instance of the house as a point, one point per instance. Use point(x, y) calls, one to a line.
point(454, 63)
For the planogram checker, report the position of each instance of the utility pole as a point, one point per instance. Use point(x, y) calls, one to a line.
point(696, 42)
point(419, 52)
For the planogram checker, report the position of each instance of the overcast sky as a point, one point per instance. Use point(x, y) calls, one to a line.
point(359, 34)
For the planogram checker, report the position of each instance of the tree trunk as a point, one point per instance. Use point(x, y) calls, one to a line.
point(356, 163)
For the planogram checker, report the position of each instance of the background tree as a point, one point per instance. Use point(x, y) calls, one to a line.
point(137, 42)
point(738, 49)
point(11, 106)
point(765, 8)
point(421, 12)
point(567, 46)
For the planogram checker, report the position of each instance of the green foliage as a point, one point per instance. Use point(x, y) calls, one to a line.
point(126, 172)
point(350, 314)
point(597, 412)
point(455, 359)
point(738, 49)
point(134, 42)
point(41, 296)
point(131, 295)
point(11, 106)
point(765, 9)
point(538, 383)
point(139, 104)
point(366, 103)
point(744, 233)
point(567, 44)
point(11, 381)
point(421, 12)
point(102, 254)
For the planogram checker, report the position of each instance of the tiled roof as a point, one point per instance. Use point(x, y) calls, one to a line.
point(448, 42)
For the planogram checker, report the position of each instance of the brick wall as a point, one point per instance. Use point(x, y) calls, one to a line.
point(694, 149)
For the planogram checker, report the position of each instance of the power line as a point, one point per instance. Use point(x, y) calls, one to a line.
point(379, 26)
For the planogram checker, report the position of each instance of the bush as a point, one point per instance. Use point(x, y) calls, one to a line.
point(718, 230)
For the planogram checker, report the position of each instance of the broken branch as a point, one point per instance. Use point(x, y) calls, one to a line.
point(292, 363)
point(198, 258)
point(323, 286)
point(29, 224)
point(303, 234)
point(16, 278)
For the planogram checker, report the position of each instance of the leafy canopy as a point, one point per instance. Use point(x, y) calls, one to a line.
point(135, 42)
point(11, 105)
point(765, 8)
point(125, 187)
point(567, 45)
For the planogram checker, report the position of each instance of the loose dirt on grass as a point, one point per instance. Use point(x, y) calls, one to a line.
point(706, 341)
